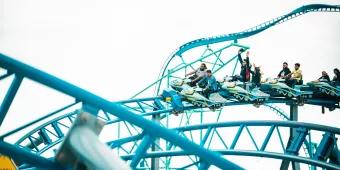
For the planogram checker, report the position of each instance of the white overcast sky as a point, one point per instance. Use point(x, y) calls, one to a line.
point(116, 48)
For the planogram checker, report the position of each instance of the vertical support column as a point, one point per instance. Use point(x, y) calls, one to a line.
point(168, 79)
point(155, 161)
point(201, 121)
point(293, 116)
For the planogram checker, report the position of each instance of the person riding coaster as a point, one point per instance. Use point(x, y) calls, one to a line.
point(324, 88)
point(194, 95)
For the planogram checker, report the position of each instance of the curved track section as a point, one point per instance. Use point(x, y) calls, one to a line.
point(259, 28)
point(219, 137)
point(231, 37)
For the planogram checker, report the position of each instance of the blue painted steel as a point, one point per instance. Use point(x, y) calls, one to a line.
point(57, 130)
point(46, 139)
point(326, 146)
point(5, 75)
point(60, 134)
point(292, 124)
point(237, 136)
point(243, 153)
point(302, 127)
point(35, 121)
point(297, 141)
point(90, 109)
point(205, 136)
point(252, 138)
point(176, 100)
point(139, 99)
point(266, 140)
point(9, 97)
point(115, 109)
point(120, 142)
point(141, 150)
point(159, 105)
point(22, 155)
point(203, 166)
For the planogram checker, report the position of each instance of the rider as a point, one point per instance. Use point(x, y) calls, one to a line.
point(245, 67)
point(336, 78)
point(256, 76)
point(198, 74)
point(296, 76)
point(324, 77)
point(211, 85)
point(284, 72)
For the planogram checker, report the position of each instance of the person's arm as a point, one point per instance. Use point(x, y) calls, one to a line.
point(287, 74)
point(247, 62)
point(199, 82)
point(239, 57)
point(279, 75)
point(327, 78)
point(190, 73)
point(199, 78)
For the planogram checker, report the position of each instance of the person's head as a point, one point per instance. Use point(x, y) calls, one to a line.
point(247, 53)
point(336, 71)
point(297, 66)
point(324, 73)
point(203, 66)
point(285, 65)
point(257, 69)
point(209, 73)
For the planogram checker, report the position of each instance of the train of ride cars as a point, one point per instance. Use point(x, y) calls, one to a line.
point(249, 93)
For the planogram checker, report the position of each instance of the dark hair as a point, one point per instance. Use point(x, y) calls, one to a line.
point(336, 70)
point(208, 71)
point(285, 63)
point(297, 64)
point(205, 66)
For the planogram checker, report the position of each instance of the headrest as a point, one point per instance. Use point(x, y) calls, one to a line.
point(273, 81)
point(177, 82)
point(189, 91)
point(229, 84)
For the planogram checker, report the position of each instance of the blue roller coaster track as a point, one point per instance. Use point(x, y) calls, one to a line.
point(142, 135)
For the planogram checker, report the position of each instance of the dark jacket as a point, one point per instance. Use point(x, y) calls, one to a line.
point(325, 78)
point(256, 77)
point(209, 83)
point(284, 72)
point(245, 70)
point(336, 80)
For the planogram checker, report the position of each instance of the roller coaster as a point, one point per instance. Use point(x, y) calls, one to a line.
point(140, 130)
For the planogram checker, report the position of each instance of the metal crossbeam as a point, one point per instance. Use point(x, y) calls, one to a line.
point(292, 149)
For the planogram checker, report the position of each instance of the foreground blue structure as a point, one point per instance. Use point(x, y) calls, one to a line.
point(151, 142)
